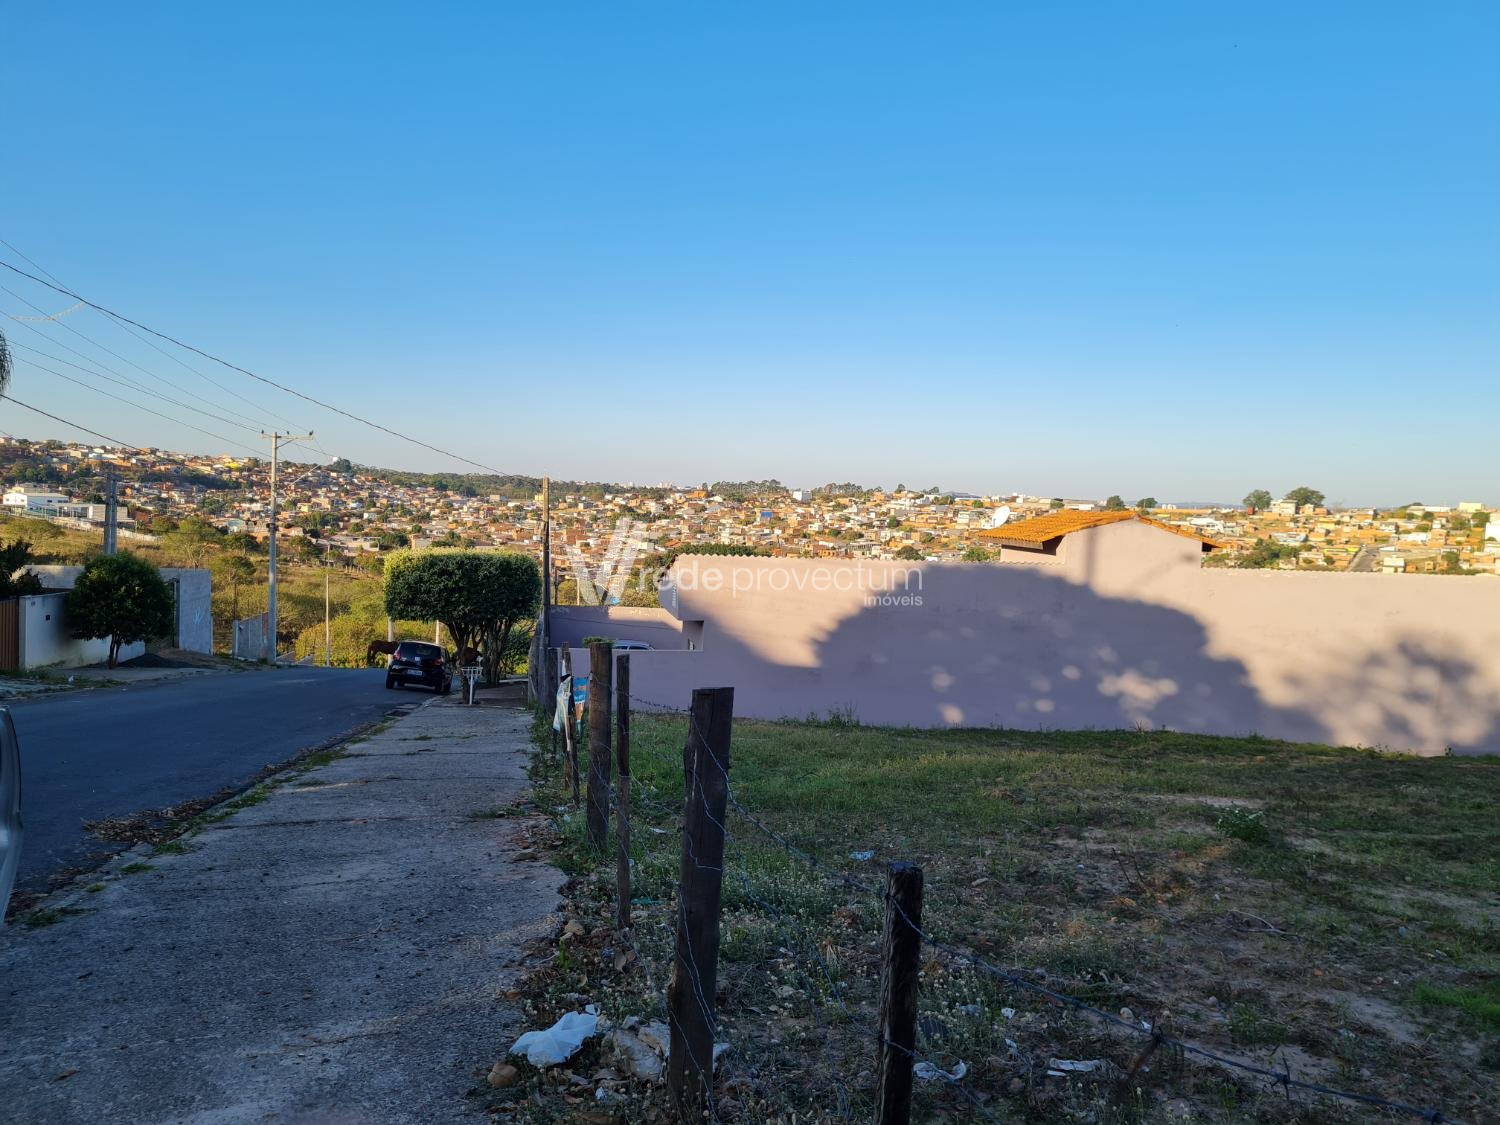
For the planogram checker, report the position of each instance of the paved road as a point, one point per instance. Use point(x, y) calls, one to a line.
point(114, 751)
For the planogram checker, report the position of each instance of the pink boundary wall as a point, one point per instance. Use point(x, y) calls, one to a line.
point(1123, 628)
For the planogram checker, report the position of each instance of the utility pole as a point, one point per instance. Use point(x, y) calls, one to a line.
point(268, 642)
point(546, 564)
point(327, 619)
point(111, 509)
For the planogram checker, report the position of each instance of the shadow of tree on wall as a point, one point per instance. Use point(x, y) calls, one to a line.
point(1407, 696)
point(1028, 649)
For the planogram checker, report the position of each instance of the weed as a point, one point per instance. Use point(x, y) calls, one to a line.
point(1247, 825)
point(170, 847)
point(136, 868)
point(37, 919)
point(1481, 1003)
point(94, 888)
point(1251, 1024)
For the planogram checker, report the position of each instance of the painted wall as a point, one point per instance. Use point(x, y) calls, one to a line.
point(1122, 628)
point(45, 641)
point(192, 589)
point(656, 627)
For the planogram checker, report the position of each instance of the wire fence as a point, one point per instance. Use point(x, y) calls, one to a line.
point(827, 992)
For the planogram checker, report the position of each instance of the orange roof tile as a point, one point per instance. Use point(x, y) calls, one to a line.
point(1041, 529)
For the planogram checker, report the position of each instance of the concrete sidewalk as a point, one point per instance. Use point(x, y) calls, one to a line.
point(333, 953)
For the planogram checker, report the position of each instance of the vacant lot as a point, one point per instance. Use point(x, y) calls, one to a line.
point(1331, 911)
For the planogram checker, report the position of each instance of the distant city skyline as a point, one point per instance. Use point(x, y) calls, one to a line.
point(1154, 250)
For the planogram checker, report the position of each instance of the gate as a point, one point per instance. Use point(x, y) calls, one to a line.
point(10, 635)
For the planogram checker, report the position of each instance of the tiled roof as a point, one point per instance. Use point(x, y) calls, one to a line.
point(1040, 529)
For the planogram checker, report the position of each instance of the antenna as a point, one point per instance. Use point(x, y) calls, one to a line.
point(1001, 516)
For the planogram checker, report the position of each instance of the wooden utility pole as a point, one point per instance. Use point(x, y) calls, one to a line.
point(268, 643)
point(601, 653)
point(901, 956)
point(695, 968)
point(622, 791)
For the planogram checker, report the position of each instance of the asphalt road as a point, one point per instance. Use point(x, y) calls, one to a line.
point(114, 751)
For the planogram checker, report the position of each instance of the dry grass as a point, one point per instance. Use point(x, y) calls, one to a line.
point(1331, 910)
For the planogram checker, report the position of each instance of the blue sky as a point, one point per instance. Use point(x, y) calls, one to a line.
point(1177, 249)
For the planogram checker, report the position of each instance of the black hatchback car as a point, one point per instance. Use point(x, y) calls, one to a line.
point(420, 664)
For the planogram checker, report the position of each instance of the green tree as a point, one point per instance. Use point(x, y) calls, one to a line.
point(977, 554)
point(1057, 502)
point(194, 540)
point(478, 595)
point(121, 597)
point(1453, 562)
point(1303, 495)
point(1266, 553)
point(893, 522)
point(1145, 503)
point(16, 582)
point(1258, 499)
point(4, 364)
point(1114, 504)
point(236, 571)
point(911, 554)
point(1480, 519)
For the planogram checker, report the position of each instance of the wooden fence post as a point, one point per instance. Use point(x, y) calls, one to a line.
point(901, 957)
point(601, 657)
point(622, 790)
point(695, 968)
point(570, 739)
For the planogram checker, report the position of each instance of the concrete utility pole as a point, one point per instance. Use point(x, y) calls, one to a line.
point(268, 643)
point(327, 618)
point(111, 509)
point(546, 570)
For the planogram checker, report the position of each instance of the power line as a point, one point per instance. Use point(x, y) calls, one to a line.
point(123, 382)
point(101, 347)
point(65, 422)
point(258, 378)
point(150, 344)
point(138, 406)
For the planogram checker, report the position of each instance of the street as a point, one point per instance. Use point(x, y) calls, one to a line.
point(115, 751)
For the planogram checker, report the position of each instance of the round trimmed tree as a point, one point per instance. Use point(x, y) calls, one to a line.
point(121, 597)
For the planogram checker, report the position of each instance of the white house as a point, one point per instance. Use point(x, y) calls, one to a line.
point(33, 499)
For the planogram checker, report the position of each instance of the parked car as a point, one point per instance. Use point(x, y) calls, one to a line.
point(631, 646)
point(421, 665)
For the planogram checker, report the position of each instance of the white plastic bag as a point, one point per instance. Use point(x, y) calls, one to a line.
point(558, 1043)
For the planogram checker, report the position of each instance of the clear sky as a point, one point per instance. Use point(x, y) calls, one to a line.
point(1177, 249)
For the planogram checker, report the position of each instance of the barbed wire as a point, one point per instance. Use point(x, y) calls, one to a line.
point(1153, 1034)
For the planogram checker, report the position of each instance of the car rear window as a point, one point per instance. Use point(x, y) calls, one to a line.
point(409, 650)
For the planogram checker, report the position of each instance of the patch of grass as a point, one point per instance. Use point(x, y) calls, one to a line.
point(41, 918)
point(1247, 825)
point(170, 847)
point(94, 888)
point(136, 868)
point(1480, 1003)
point(1252, 1024)
point(1132, 869)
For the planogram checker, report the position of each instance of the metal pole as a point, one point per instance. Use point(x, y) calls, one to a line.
point(327, 620)
point(268, 644)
